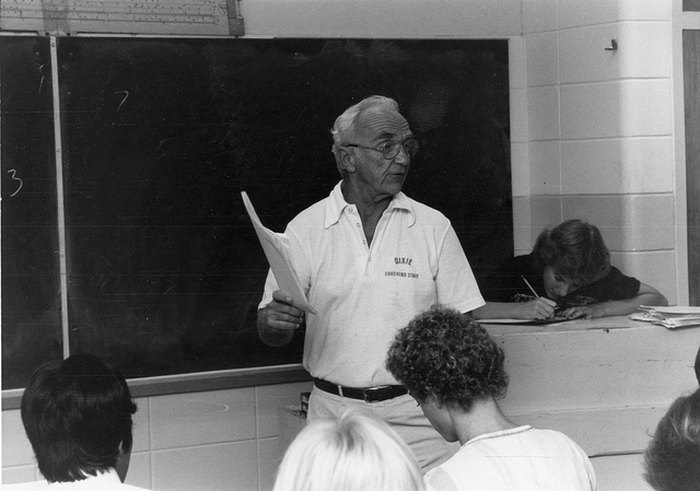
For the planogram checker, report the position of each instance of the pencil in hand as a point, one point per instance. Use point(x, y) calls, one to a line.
point(530, 286)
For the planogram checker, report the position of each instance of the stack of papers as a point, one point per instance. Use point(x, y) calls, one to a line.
point(275, 246)
point(669, 317)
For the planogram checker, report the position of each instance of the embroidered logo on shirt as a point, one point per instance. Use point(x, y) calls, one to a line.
point(402, 274)
point(408, 261)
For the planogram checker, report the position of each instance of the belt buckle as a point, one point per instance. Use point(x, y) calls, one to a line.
point(368, 393)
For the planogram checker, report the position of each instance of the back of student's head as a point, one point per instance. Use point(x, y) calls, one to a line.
point(673, 457)
point(354, 452)
point(446, 355)
point(574, 249)
point(78, 416)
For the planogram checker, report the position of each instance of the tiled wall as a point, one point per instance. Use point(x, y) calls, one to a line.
point(225, 439)
point(571, 378)
point(599, 129)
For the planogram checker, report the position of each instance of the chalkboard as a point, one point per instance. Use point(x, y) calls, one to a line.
point(161, 135)
point(31, 330)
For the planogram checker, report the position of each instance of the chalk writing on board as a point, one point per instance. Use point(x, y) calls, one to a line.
point(13, 175)
point(125, 96)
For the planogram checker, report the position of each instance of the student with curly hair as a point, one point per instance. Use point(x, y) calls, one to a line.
point(353, 452)
point(570, 272)
point(672, 459)
point(454, 369)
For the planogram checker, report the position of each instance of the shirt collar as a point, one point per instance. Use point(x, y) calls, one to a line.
point(337, 205)
point(109, 476)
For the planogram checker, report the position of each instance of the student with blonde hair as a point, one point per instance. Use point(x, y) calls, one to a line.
point(354, 452)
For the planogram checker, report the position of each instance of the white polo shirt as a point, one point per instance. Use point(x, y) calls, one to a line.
point(363, 294)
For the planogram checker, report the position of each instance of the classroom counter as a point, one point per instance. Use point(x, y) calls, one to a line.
point(583, 376)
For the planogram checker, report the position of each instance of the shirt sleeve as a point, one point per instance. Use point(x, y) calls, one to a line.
point(613, 286)
point(455, 281)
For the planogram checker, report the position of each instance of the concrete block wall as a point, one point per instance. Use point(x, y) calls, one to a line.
point(599, 125)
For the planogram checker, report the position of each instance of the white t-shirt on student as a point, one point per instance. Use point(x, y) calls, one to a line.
point(518, 459)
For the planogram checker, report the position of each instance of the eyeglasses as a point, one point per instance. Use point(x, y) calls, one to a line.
point(390, 149)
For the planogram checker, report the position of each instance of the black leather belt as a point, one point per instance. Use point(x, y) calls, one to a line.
point(367, 394)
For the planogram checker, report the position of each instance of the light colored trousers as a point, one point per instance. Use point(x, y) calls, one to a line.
point(401, 413)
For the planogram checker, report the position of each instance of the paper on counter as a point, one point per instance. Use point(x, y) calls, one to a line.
point(669, 317)
point(276, 246)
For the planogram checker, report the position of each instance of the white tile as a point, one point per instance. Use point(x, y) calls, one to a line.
point(644, 10)
point(577, 13)
point(141, 431)
point(539, 15)
point(627, 108)
point(627, 222)
point(542, 59)
point(653, 268)
point(139, 472)
point(23, 473)
point(517, 63)
point(271, 397)
point(269, 458)
point(543, 113)
point(16, 449)
point(647, 107)
point(545, 212)
point(583, 57)
point(545, 167)
point(518, 115)
point(620, 473)
point(229, 466)
point(519, 169)
point(202, 417)
point(644, 51)
point(522, 237)
point(574, 13)
point(627, 165)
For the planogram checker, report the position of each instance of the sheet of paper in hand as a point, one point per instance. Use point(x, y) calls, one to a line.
point(276, 246)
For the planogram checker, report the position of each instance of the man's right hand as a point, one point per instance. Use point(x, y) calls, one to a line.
point(278, 321)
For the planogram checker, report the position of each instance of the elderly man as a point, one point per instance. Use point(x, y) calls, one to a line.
point(369, 259)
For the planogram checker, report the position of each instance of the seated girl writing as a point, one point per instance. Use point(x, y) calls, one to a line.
point(568, 275)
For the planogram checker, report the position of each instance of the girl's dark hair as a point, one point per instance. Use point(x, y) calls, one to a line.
point(574, 249)
point(77, 415)
point(672, 459)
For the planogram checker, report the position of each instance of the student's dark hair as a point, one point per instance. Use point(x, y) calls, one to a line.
point(448, 356)
point(77, 415)
point(672, 459)
point(574, 249)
